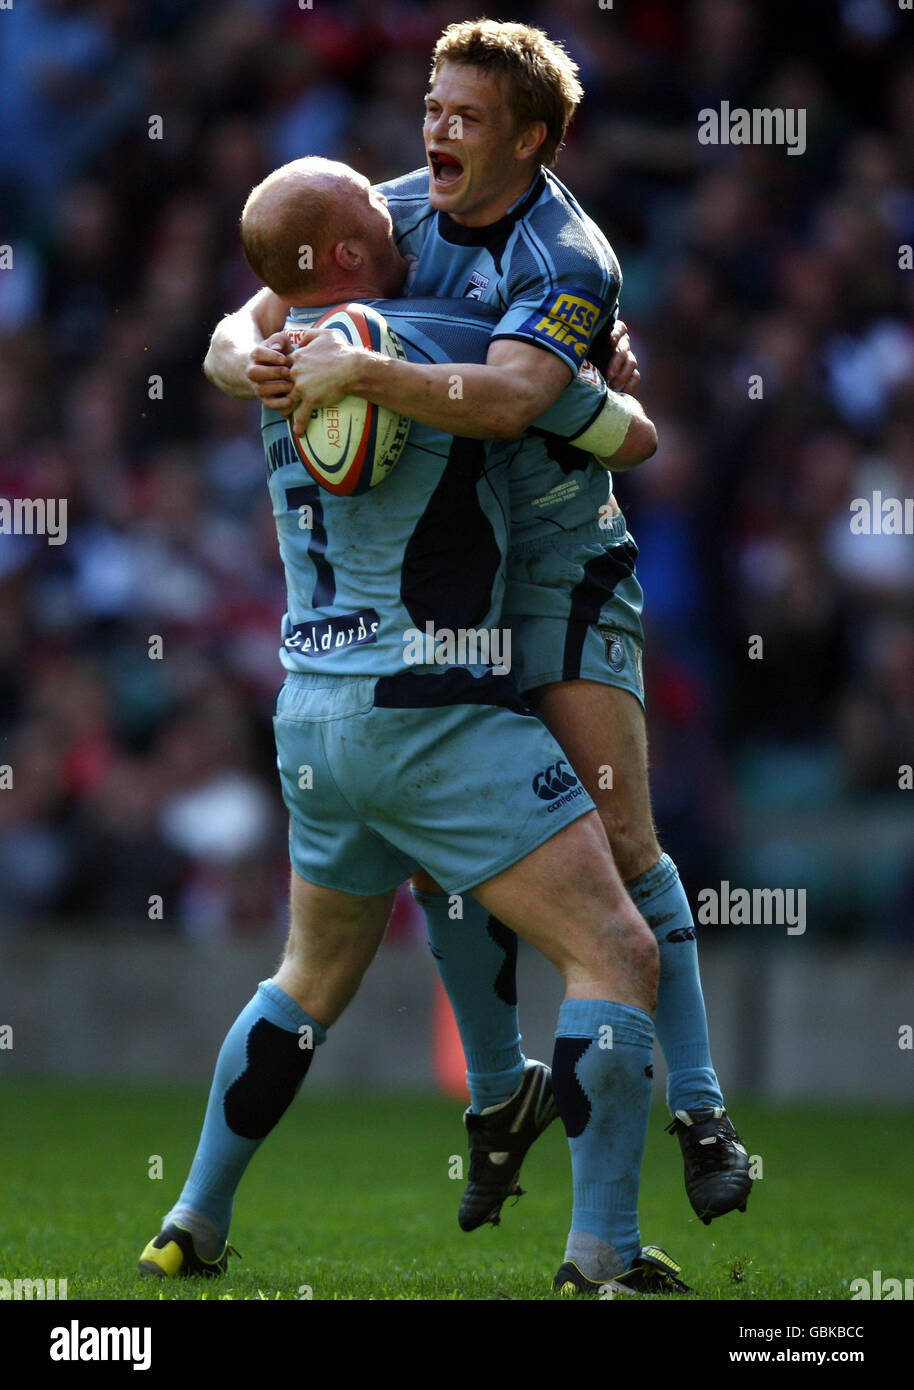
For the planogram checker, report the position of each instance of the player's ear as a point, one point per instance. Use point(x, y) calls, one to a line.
point(530, 140)
point(347, 256)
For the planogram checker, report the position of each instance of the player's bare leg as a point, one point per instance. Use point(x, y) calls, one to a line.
point(265, 1057)
point(333, 938)
point(567, 900)
point(602, 727)
point(511, 1099)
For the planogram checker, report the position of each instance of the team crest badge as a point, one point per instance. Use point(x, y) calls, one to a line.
point(476, 285)
point(615, 652)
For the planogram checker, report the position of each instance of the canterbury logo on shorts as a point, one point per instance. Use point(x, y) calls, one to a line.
point(557, 784)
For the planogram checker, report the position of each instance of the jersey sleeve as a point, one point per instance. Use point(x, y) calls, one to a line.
point(406, 188)
point(577, 407)
point(563, 312)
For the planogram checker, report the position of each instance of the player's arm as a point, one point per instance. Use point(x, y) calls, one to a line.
point(537, 347)
point(606, 423)
point(239, 361)
point(621, 365)
point(497, 399)
point(621, 417)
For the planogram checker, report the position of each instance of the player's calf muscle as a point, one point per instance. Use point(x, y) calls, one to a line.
point(333, 938)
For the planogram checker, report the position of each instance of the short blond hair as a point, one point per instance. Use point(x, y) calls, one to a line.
point(543, 77)
point(292, 209)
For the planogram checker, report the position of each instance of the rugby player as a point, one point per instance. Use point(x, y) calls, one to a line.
point(397, 757)
point(487, 220)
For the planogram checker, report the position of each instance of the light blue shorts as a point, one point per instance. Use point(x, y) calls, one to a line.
point(376, 790)
point(573, 605)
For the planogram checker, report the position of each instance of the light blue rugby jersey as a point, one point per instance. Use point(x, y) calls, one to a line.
point(426, 546)
point(554, 280)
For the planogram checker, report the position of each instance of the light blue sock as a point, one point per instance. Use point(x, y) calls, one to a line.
point(476, 958)
point(260, 1067)
point(601, 1077)
point(680, 1022)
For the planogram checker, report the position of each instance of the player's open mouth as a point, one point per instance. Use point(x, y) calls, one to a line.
point(446, 169)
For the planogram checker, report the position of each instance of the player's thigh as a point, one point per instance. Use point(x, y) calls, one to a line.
point(602, 729)
point(566, 898)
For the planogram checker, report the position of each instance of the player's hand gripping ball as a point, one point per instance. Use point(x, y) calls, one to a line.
point(351, 447)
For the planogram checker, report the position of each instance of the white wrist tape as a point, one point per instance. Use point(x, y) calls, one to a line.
point(608, 431)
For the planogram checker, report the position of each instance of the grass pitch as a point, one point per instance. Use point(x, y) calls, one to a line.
point(352, 1198)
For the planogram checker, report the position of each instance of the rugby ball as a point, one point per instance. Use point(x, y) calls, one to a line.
point(351, 447)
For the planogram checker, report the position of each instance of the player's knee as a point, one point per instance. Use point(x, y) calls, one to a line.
point(622, 941)
point(634, 946)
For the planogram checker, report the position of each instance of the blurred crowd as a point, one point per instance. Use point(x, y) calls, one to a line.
point(774, 325)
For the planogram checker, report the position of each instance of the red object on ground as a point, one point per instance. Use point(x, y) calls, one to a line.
point(450, 1067)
